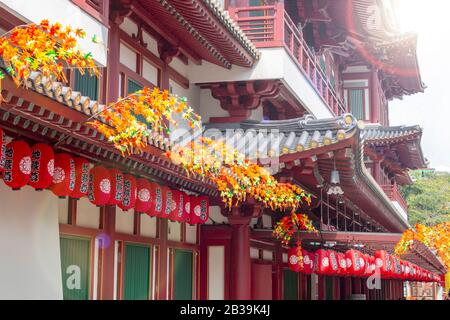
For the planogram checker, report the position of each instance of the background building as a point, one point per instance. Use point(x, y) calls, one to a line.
point(321, 73)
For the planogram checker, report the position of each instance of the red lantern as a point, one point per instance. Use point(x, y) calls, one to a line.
point(99, 186)
point(342, 263)
point(2, 150)
point(334, 262)
point(381, 261)
point(129, 193)
point(117, 185)
point(308, 261)
point(17, 170)
point(63, 175)
point(156, 203)
point(357, 263)
point(199, 210)
point(82, 168)
point(187, 207)
point(322, 262)
point(178, 214)
point(143, 200)
point(295, 259)
point(42, 166)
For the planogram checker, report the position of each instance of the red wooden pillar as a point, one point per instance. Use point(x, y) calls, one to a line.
point(240, 271)
point(277, 275)
point(108, 225)
point(163, 265)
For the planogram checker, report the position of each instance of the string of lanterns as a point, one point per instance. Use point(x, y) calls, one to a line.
point(356, 264)
point(66, 176)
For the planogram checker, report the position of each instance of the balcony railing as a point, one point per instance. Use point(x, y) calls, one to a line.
point(269, 27)
point(394, 194)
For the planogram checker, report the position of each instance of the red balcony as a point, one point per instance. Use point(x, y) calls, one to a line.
point(271, 27)
point(394, 194)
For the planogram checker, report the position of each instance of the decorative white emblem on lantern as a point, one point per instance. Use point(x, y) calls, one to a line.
point(293, 259)
point(349, 262)
point(144, 195)
point(105, 186)
point(188, 207)
point(378, 262)
point(325, 262)
point(51, 167)
point(306, 259)
point(197, 211)
point(25, 165)
point(58, 175)
point(342, 263)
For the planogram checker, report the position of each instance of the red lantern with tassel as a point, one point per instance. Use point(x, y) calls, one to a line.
point(42, 166)
point(143, 200)
point(82, 168)
point(334, 262)
point(17, 170)
point(322, 262)
point(117, 186)
point(177, 213)
point(64, 175)
point(99, 186)
point(308, 261)
point(168, 205)
point(342, 263)
point(156, 204)
point(356, 262)
point(129, 193)
point(199, 210)
point(295, 259)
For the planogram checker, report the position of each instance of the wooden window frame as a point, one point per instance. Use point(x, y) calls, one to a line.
point(102, 14)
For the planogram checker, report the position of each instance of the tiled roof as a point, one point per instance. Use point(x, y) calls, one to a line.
point(280, 137)
point(378, 134)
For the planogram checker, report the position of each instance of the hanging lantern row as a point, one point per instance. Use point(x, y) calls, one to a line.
point(67, 176)
point(356, 264)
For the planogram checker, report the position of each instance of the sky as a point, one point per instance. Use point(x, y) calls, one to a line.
point(431, 109)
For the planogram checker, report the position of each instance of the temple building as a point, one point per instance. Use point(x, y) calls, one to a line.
point(301, 87)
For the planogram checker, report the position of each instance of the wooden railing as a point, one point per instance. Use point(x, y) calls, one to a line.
point(269, 27)
point(394, 194)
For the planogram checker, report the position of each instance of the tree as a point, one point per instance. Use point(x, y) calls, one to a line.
point(428, 198)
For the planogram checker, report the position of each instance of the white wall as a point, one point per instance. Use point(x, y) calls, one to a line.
point(30, 265)
point(67, 13)
point(216, 273)
point(275, 63)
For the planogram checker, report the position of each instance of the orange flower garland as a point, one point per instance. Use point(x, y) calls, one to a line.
point(436, 238)
point(236, 178)
point(156, 107)
point(48, 48)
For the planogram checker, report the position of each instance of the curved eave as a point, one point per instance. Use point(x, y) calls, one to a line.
point(46, 117)
point(405, 140)
point(207, 29)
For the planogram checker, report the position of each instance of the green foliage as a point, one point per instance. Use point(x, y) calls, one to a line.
point(428, 198)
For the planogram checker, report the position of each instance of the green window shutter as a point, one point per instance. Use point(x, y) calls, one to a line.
point(137, 272)
point(75, 265)
point(182, 275)
point(133, 86)
point(356, 102)
point(86, 84)
point(290, 281)
point(328, 288)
